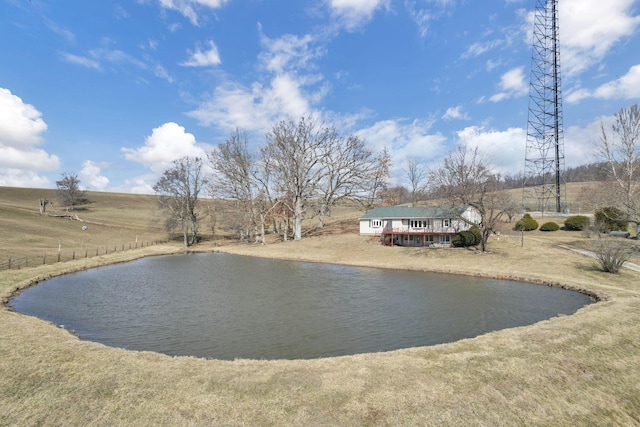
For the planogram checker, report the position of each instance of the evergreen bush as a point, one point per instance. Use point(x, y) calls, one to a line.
point(576, 223)
point(476, 233)
point(549, 226)
point(611, 218)
point(526, 223)
point(465, 239)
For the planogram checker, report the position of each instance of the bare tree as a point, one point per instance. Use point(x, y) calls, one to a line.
point(417, 177)
point(508, 205)
point(611, 253)
point(620, 148)
point(244, 178)
point(295, 153)
point(233, 180)
point(376, 189)
point(310, 167)
point(179, 188)
point(349, 168)
point(465, 179)
point(69, 192)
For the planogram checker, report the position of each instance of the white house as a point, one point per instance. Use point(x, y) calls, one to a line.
point(416, 226)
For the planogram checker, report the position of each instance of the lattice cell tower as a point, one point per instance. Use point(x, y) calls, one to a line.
point(544, 186)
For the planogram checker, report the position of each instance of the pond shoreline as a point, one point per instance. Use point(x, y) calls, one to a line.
point(356, 310)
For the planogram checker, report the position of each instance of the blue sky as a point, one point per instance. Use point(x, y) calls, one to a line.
point(115, 90)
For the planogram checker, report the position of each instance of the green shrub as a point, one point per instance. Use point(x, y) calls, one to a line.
point(611, 218)
point(549, 226)
point(457, 240)
point(476, 232)
point(576, 223)
point(466, 238)
point(526, 223)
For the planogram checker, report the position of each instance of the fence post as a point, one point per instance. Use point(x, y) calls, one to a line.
point(9, 263)
point(73, 256)
point(44, 259)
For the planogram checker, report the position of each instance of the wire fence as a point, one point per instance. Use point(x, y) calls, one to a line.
point(18, 262)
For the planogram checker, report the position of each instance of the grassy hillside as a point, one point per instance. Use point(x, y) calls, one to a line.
point(111, 220)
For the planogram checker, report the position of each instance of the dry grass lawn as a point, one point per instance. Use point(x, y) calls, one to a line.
point(579, 370)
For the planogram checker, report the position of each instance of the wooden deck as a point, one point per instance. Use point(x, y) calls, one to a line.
point(415, 237)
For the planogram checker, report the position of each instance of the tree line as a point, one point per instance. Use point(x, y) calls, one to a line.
point(303, 169)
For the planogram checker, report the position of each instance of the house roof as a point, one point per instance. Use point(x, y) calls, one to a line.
point(408, 212)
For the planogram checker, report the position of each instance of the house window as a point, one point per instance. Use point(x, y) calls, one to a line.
point(446, 223)
point(376, 223)
point(445, 239)
point(418, 223)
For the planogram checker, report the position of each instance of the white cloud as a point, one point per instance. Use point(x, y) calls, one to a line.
point(27, 158)
point(505, 149)
point(513, 83)
point(166, 143)
point(189, 8)
point(255, 108)
point(577, 95)
point(288, 88)
point(426, 12)
point(97, 57)
point(477, 49)
point(289, 52)
point(405, 139)
point(63, 32)
point(108, 58)
point(206, 58)
point(91, 176)
point(352, 14)
point(115, 56)
point(580, 142)
point(139, 185)
point(589, 29)
point(626, 87)
point(162, 73)
point(455, 113)
point(80, 60)
point(22, 178)
point(21, 126)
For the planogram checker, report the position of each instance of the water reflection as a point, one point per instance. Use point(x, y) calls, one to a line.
point(227, 306)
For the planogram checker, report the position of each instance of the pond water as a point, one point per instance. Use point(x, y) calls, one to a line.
point(228, 306)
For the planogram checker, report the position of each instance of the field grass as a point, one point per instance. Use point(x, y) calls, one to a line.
point(578, 370)
point(111, 222)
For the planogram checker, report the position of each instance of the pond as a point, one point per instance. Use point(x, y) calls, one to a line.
point(229, 306)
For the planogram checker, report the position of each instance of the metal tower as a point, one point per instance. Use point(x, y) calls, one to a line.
point(544, 156)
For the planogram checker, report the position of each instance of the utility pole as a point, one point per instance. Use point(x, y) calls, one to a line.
point(543, 186)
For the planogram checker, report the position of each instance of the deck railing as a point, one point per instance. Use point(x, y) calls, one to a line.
point(423, 230)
